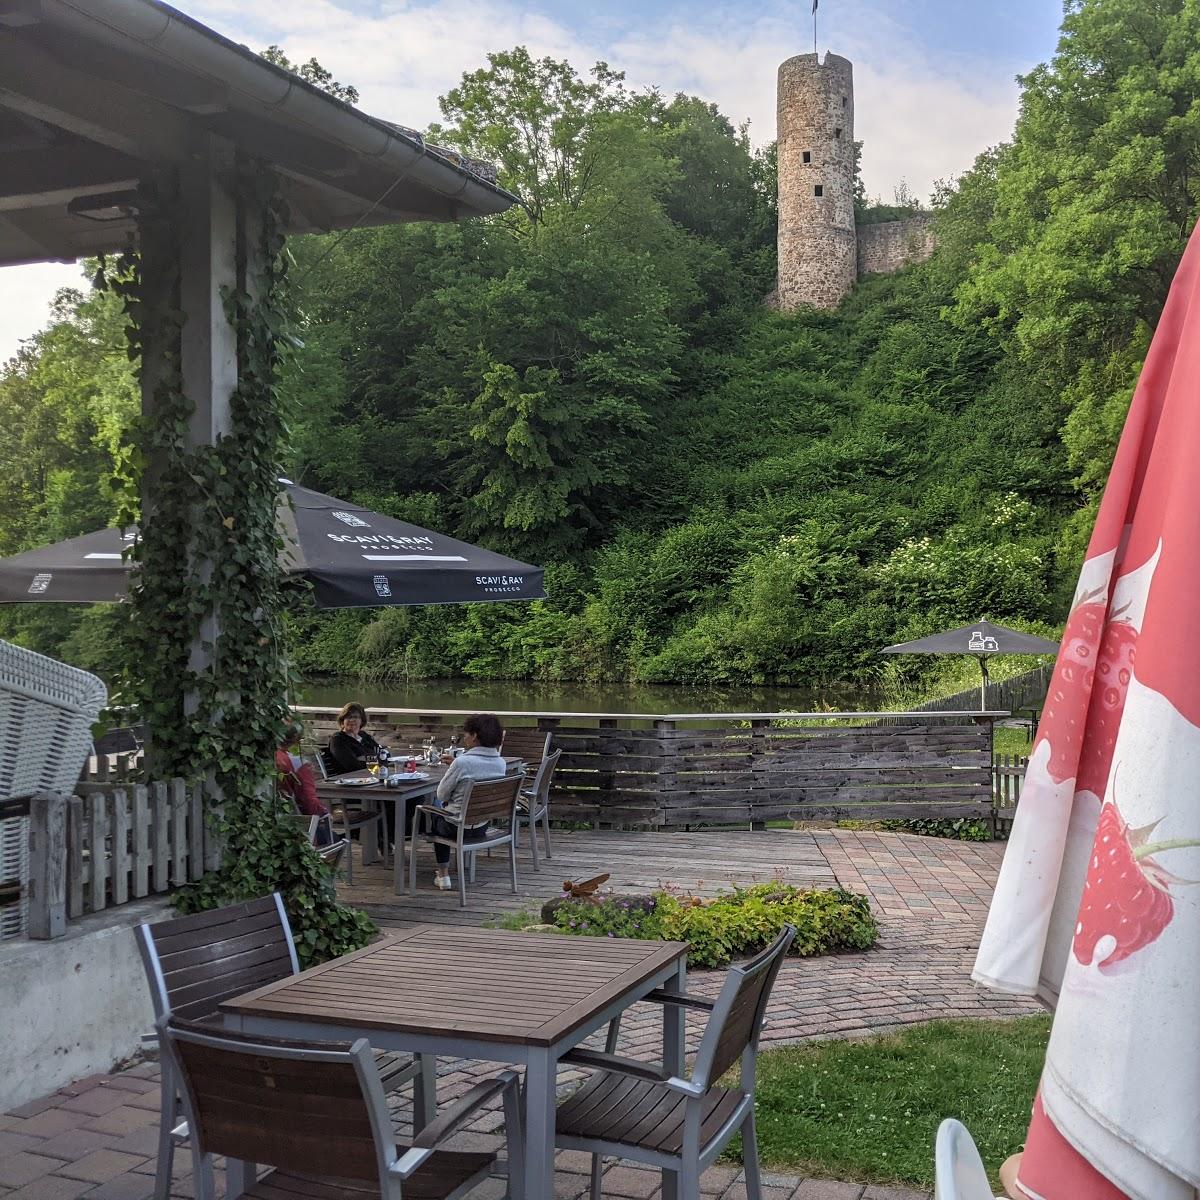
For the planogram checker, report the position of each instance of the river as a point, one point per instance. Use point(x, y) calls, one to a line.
point(528, 696)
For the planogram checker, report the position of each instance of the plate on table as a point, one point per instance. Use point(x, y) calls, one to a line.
point(355, 782)
point(411, 777)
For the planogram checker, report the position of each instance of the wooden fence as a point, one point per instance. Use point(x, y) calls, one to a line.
point(692, 769)
point(1008, 771)
point(110, 844)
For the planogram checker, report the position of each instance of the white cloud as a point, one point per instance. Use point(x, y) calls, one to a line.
point(921, 115)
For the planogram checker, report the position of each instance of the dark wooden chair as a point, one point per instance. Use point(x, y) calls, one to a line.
point(632, 1110)
point(534, 806)
point(315, 1112)
point(194, 963)
point(529, 745)
point(485, 801)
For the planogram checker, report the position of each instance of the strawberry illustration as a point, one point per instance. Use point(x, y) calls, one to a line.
point(1125, 895)
point(1071, 687)
point(1114, 670)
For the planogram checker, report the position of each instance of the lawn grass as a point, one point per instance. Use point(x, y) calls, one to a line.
point(1011, 739)
point(868, 1110)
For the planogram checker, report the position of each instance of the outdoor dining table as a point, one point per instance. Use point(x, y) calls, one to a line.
point(361, 785)
point(489, 994)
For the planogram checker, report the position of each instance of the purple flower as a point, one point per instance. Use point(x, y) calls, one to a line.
point(612, 935)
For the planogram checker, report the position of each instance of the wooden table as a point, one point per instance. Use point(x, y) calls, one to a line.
point(486, 994)
point(337, 791)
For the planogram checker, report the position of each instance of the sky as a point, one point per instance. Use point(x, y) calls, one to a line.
point(934, 80)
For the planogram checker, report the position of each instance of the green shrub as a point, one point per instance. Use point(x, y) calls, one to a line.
point(731, 925)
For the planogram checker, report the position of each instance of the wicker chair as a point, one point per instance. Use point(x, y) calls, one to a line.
point(47, 710)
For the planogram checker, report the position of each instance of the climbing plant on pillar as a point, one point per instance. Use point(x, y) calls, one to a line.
point(208, 575)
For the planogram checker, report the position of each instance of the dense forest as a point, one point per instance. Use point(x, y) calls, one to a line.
point(592, 382)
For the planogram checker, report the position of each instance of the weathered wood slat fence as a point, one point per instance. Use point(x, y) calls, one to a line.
point(1008, 772)
point(109, 844)
point(690, 769)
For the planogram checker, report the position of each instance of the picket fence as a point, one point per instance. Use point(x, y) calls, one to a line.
point(110, 844)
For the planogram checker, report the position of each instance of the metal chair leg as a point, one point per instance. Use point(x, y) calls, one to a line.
point(545, 830)
point(167, 1120)
point(537, 866)
point(462, 877)
point(512, 863)
point(597, 1173)
point(750, 1158)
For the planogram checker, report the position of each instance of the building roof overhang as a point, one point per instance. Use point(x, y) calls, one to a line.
point(96, 94)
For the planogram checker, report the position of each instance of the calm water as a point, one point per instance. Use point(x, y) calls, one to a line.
point(526, 696)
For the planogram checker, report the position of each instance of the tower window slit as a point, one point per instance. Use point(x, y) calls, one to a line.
point(818, 190)
point(806, 156)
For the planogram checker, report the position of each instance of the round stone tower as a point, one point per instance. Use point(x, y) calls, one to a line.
point(818, 255)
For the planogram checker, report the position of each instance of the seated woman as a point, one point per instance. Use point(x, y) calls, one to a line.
point(350, 747)
point(297, 781)
point(482, 735)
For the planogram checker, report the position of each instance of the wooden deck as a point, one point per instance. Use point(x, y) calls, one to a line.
point(700, 863)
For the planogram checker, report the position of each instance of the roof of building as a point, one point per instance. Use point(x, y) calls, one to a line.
point(95, 94)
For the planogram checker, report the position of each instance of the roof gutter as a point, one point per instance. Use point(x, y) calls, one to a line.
point(197, 50)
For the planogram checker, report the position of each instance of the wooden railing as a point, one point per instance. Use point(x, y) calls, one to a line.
point(109, 844)
point(686, 769)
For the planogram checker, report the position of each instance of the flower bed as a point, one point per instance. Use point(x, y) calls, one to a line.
point(732, 925)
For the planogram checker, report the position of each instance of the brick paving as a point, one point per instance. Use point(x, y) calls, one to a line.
point(95, 1138)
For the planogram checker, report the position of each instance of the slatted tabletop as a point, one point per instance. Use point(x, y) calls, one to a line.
point(485, 984)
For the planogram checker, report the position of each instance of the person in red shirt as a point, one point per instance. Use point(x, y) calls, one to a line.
point(297, 781)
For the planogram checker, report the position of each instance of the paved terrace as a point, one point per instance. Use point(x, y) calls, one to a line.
point(95, 1138)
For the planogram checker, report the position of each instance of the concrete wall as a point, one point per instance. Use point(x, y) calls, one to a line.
point(76, 1005)
point(890, 245)
point(817, 249)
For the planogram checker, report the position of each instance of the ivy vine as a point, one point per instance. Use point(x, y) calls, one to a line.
point(205, 664)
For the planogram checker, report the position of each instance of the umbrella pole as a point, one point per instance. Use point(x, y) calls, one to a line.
point(983, 687)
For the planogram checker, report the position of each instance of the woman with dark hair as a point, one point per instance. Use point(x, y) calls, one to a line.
point(482, 735)
point(352, 745)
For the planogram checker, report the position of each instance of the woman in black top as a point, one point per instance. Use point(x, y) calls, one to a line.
point(350, 747)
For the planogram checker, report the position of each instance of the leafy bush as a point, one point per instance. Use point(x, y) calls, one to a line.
point(732, 925)
point(962, 829)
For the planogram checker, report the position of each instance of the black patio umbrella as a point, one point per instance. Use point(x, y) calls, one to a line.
point(981, 638)
point(353, 557)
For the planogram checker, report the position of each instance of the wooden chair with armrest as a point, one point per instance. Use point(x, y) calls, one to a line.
point(194, 963)
point(633, 1110)
point(315, 1113)
point(485, 801)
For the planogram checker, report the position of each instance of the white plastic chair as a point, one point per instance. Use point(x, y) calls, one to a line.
point(959, 1173)
point(47, 710)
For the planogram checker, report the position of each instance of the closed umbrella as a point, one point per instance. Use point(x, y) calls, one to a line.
point(982, 639)
point(1097, 908)
point(352, 557)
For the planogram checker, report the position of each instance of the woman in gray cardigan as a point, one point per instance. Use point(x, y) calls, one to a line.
point(482, 735)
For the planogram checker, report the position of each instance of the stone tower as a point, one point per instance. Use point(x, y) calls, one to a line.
point(818, 253)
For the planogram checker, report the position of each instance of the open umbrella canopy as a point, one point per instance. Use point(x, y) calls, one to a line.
point(353, 557)
point(980, 637)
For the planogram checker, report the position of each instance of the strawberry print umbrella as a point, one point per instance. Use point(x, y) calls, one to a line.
point(1097, 908)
